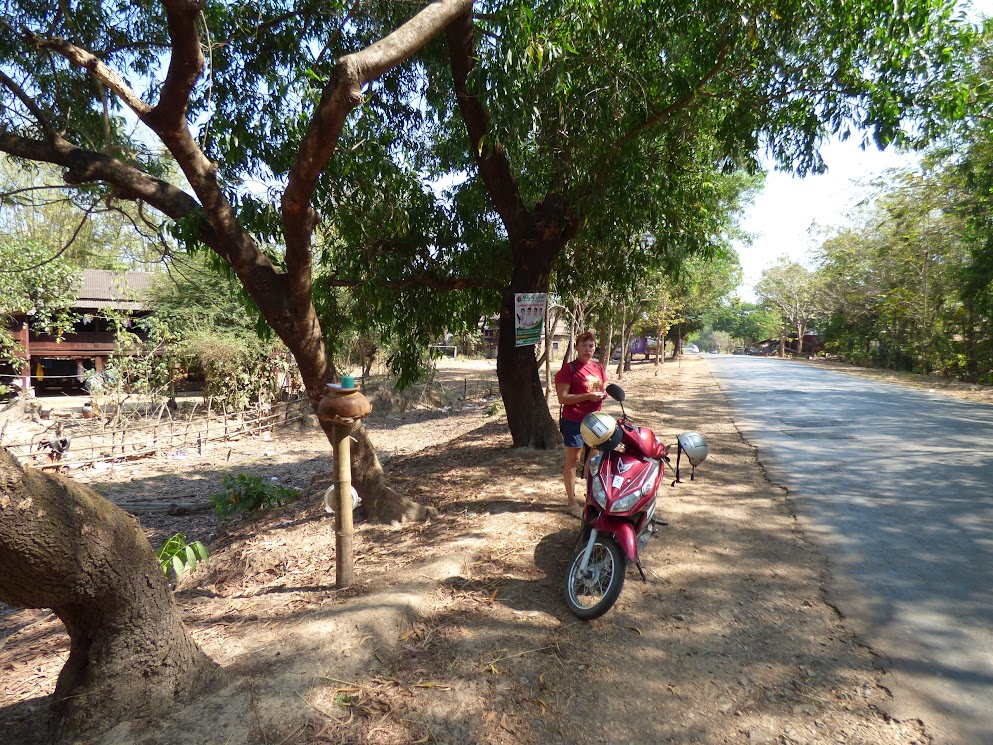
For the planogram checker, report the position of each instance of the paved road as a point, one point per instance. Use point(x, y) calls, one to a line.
point(896, 486)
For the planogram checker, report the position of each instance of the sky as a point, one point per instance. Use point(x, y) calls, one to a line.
point(791, 213)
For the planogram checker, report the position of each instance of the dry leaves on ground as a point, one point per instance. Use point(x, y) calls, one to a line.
point(456, 630)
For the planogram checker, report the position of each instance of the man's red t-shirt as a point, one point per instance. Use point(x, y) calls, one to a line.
point(583, 379)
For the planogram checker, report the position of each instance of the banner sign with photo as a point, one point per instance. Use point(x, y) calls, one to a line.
point(529, 309)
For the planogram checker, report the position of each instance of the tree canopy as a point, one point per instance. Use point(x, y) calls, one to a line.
point(583, 119)
point(552, 121)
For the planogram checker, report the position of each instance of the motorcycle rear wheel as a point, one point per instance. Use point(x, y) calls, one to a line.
point(592, 594)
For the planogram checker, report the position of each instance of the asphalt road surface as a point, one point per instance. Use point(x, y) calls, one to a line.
point(896, 487)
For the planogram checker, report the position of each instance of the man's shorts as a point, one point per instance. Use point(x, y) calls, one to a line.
point(571, 435)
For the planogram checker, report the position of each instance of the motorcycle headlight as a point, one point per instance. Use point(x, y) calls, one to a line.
point(599, 495)
point(623, 505)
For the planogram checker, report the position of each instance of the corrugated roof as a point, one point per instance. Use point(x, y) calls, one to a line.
point(106, 289)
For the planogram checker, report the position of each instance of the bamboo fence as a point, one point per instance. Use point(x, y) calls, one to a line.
point(94, 440)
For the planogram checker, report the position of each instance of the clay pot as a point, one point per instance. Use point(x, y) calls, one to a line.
point(343, 405)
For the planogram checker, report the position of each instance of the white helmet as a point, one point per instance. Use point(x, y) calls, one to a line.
point(600, 431)
point(695, 447)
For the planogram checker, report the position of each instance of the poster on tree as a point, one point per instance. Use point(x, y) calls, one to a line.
point(529, 310)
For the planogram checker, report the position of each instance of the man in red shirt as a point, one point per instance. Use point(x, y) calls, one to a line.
point(580, 387)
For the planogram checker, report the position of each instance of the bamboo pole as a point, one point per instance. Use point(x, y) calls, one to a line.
point(344, 529)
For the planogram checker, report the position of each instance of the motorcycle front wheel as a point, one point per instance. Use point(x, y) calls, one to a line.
point(592, 593)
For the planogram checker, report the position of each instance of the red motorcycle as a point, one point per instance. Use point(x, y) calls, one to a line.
point(622, 479)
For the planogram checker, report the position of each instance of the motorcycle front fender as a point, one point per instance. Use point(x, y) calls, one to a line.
point(623, 532)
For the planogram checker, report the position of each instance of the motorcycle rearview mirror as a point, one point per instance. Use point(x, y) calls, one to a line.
point(615, 392)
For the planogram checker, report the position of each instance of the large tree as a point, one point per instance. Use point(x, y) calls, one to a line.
point(32, 283)
point(896, 283)
point(578, 113)
point(282, 80)
point(796, 294)
point(747, 322)
point(276, 115)
point(79, 225)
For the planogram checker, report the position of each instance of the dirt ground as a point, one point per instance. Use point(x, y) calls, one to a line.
point(456, 630)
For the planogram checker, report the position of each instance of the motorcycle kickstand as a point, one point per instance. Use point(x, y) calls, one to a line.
point(659, 521)
point(641, 571)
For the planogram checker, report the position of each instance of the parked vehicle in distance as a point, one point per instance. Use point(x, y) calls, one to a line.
point(643, 345)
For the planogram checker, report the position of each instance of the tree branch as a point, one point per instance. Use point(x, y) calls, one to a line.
point(168, 120)
point(84, 166)
point(27, 189)
point(681, 103)
point(492, 160)
point(185, 67)
point(30, 105)
point(253, 31)
point(235, 246)
point(55, 257)
point(342, 94)
point(423, 279)
point(87, 61)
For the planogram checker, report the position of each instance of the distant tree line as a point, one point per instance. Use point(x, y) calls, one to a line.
point(908, 284)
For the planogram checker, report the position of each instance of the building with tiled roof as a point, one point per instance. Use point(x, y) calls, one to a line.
point(61, 364)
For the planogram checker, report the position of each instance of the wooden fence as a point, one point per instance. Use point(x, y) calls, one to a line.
point(93, 440)
point(165, 433)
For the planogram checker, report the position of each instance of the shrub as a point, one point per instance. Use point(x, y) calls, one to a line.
point(246, 493)
point(179, 556)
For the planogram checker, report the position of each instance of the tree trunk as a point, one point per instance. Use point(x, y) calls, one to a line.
point(969, 337)
point(380, 502)
point(64, 547)
point(623, 348)
point(662, 331)
point(549, 327)
point(528, 418)
point(368, 357)
point(627, 330)
point(571, 344)
point(537, 236)
point(301, 331)
point(530, 423)
point(607, 343)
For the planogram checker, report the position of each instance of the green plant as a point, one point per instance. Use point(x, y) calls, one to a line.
point(180, 556)
point(250, 493)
